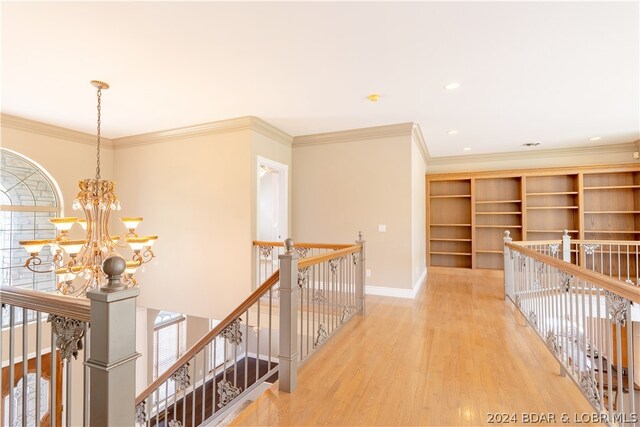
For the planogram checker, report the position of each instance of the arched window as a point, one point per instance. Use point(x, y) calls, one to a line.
point(28, 198)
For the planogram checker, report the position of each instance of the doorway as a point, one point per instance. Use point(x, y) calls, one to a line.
point(272, 203)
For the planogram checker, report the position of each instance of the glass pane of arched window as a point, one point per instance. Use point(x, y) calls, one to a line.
point(27, 200)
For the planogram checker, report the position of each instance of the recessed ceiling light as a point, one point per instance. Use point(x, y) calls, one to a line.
point(466, 149)
point(595, 138)
point(374, 97)
point(531, 144)
point(452, 85)
point(452, 132)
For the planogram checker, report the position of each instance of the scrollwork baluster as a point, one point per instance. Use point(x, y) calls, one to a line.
point(232, 333)
point(69, 335)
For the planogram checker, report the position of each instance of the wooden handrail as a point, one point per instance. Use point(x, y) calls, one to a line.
point(618, 287)
point(537, 242)
point(304, 245)
point(60, 305)
point(306, 262)
point(211, 335)
point(609, 242)
point(599, 242)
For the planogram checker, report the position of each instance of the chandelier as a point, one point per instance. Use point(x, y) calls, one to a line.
point(77, 263)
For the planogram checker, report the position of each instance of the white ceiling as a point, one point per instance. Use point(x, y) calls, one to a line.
point(558, 73)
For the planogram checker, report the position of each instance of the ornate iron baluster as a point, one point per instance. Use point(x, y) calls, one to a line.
point(617, 307)
point(181, 377)
point(69, 335)
point(227, 392)
point(232, 333)
point(323, 334)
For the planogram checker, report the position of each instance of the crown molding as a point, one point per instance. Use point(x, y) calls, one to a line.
point(46, 129)
point(271, 131)
point(223, 126)
point(418, 138)
point(627, 147)
point(376, 132)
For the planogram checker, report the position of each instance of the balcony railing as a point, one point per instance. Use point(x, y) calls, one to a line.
point(70, 361)
point(44, 340)
point(306, 292)
point(85, 351)
point(581, 298)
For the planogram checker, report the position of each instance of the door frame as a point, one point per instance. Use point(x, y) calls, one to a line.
point(283, 196)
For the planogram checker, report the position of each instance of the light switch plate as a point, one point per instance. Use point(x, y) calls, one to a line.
point(382, 228)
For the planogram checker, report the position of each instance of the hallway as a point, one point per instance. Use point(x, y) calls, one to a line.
point(455, 354)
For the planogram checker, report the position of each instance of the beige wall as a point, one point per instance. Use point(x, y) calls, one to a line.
point(198, 193)
point(195, 193)
point(343, 187)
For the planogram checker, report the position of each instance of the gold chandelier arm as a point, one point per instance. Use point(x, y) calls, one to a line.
point(144, 257)
point(34, 261)
point(129, 280)
point(58, 258)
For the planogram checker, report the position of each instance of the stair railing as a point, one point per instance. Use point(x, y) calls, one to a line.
point(291, 314)
point(584, 317)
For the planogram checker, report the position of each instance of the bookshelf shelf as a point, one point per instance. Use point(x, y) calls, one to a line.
point(453, 196)
point(498, 213)
point(553, 193)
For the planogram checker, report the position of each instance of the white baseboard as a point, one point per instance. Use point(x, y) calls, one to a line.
point(397, 292)
point(389, 292)
point(419, 282)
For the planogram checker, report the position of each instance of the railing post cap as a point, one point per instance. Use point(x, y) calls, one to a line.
point(360, 235)
point(288, 244)
point(114, 266)
point(507, 233)
point(565, 232)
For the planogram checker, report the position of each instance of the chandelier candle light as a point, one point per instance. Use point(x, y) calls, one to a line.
point(80, 270)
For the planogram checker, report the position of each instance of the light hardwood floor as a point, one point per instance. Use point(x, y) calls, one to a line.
point(451, 356)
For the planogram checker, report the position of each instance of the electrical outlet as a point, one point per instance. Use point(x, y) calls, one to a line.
point(368, 272)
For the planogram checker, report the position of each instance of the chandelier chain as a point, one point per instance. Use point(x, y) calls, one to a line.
point(98, 151)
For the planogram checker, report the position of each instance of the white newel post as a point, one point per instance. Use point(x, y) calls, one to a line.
point(288, 355)
point(112, 362)
point(361, 275)
point(508, 268)
point(566, 246)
